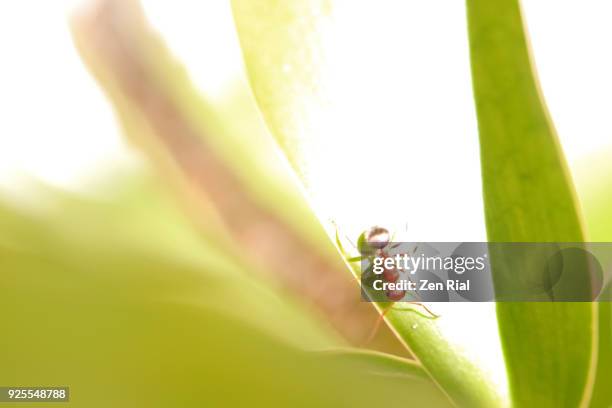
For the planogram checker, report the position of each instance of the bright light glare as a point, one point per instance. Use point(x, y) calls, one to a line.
point(400, 146)
point(202, 35)
point(569, 40)
point(56, 125)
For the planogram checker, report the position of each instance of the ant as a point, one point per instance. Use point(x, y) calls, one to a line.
point(375, 242)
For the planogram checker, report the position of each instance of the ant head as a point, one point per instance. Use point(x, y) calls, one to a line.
point(373, 239)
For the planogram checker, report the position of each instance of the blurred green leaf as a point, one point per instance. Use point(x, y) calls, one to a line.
point(602, 392)
point(548, 347)
point(593, 180)
point(388, 366)
point(134, 217)
point(126, 320)
point(283, 44)
point(379, 363)
point(255, 211)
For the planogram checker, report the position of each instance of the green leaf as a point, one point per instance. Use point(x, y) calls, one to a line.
point(378, 363)
point(126, 313)
point(284, 47)
point(389, 366)
point(134, 217)
point(593, 181)
point(548, 347)
point(602, 393)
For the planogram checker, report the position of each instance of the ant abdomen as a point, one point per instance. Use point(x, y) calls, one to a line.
point(390, 275)
point(395, 295)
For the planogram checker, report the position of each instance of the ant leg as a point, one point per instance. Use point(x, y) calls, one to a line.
point(376, 327)
point(434, 316)
point(381, 317)
point(431, 316)
point(341, 247)
point(338, 243)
